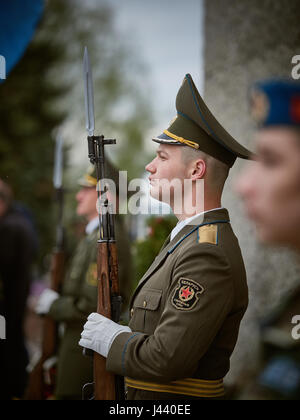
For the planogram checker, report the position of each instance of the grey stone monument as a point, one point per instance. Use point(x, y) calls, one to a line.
point(245, 41)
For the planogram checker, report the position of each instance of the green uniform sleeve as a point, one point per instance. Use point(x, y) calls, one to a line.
point(184, 332)
point(75, 309)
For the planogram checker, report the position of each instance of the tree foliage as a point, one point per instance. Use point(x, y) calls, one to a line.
point(146, 250)
point(45, 91)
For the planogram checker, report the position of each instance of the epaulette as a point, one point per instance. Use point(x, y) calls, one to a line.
point(208, 234)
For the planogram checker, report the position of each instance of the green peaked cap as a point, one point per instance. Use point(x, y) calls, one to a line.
point(195, 126)
point(89, 179)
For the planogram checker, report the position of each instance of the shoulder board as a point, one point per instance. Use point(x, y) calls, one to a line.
point(208, 234)
point(92, 275)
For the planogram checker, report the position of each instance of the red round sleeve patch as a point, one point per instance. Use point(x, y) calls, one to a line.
point(186, 294)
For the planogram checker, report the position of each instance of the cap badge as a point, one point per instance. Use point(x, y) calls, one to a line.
point(260, 106)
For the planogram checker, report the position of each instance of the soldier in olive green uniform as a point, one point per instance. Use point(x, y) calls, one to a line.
point(79, 294)
point(279, 376)
point(271, 191)
point(187, 309)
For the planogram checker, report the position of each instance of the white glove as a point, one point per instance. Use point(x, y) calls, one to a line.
point(45, 301)
point(99, 333)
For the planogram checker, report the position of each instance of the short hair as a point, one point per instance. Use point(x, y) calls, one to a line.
point(217, 171)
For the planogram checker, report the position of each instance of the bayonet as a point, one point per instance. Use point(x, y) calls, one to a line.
point(58, 186)
point(58, 164)
point(89, 94)
point(107, 386)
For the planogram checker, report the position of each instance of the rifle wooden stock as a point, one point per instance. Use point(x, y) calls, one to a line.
point(104, 381)
point(114, 270)
point(36, 389)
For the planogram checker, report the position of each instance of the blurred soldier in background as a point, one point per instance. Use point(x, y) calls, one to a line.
point(79, 294)
point(17, 249)
point(270, 188)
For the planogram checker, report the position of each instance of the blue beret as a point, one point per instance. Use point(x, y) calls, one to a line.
point(276, 102)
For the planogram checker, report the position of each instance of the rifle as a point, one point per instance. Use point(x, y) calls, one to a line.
point(107, 386)
point(42, 378)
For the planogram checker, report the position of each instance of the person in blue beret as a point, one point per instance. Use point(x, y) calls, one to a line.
point(270, 188)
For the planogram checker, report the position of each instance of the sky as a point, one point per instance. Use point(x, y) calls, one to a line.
point(168, 35)
point(167, 38)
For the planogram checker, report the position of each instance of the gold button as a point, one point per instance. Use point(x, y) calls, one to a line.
point(145, 304)
point(132, 312)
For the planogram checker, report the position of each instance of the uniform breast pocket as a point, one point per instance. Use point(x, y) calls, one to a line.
point(146, 310)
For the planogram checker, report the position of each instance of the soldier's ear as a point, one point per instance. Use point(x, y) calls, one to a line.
point(198, 169)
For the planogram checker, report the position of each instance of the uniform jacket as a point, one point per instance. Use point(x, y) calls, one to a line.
point(78, 299)
point(186, 310)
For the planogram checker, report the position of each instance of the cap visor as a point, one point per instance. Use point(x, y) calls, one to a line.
point(85, 182)
point(163, 138)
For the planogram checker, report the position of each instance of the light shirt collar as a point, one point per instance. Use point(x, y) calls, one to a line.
point(92, 225)
point(181, 225)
